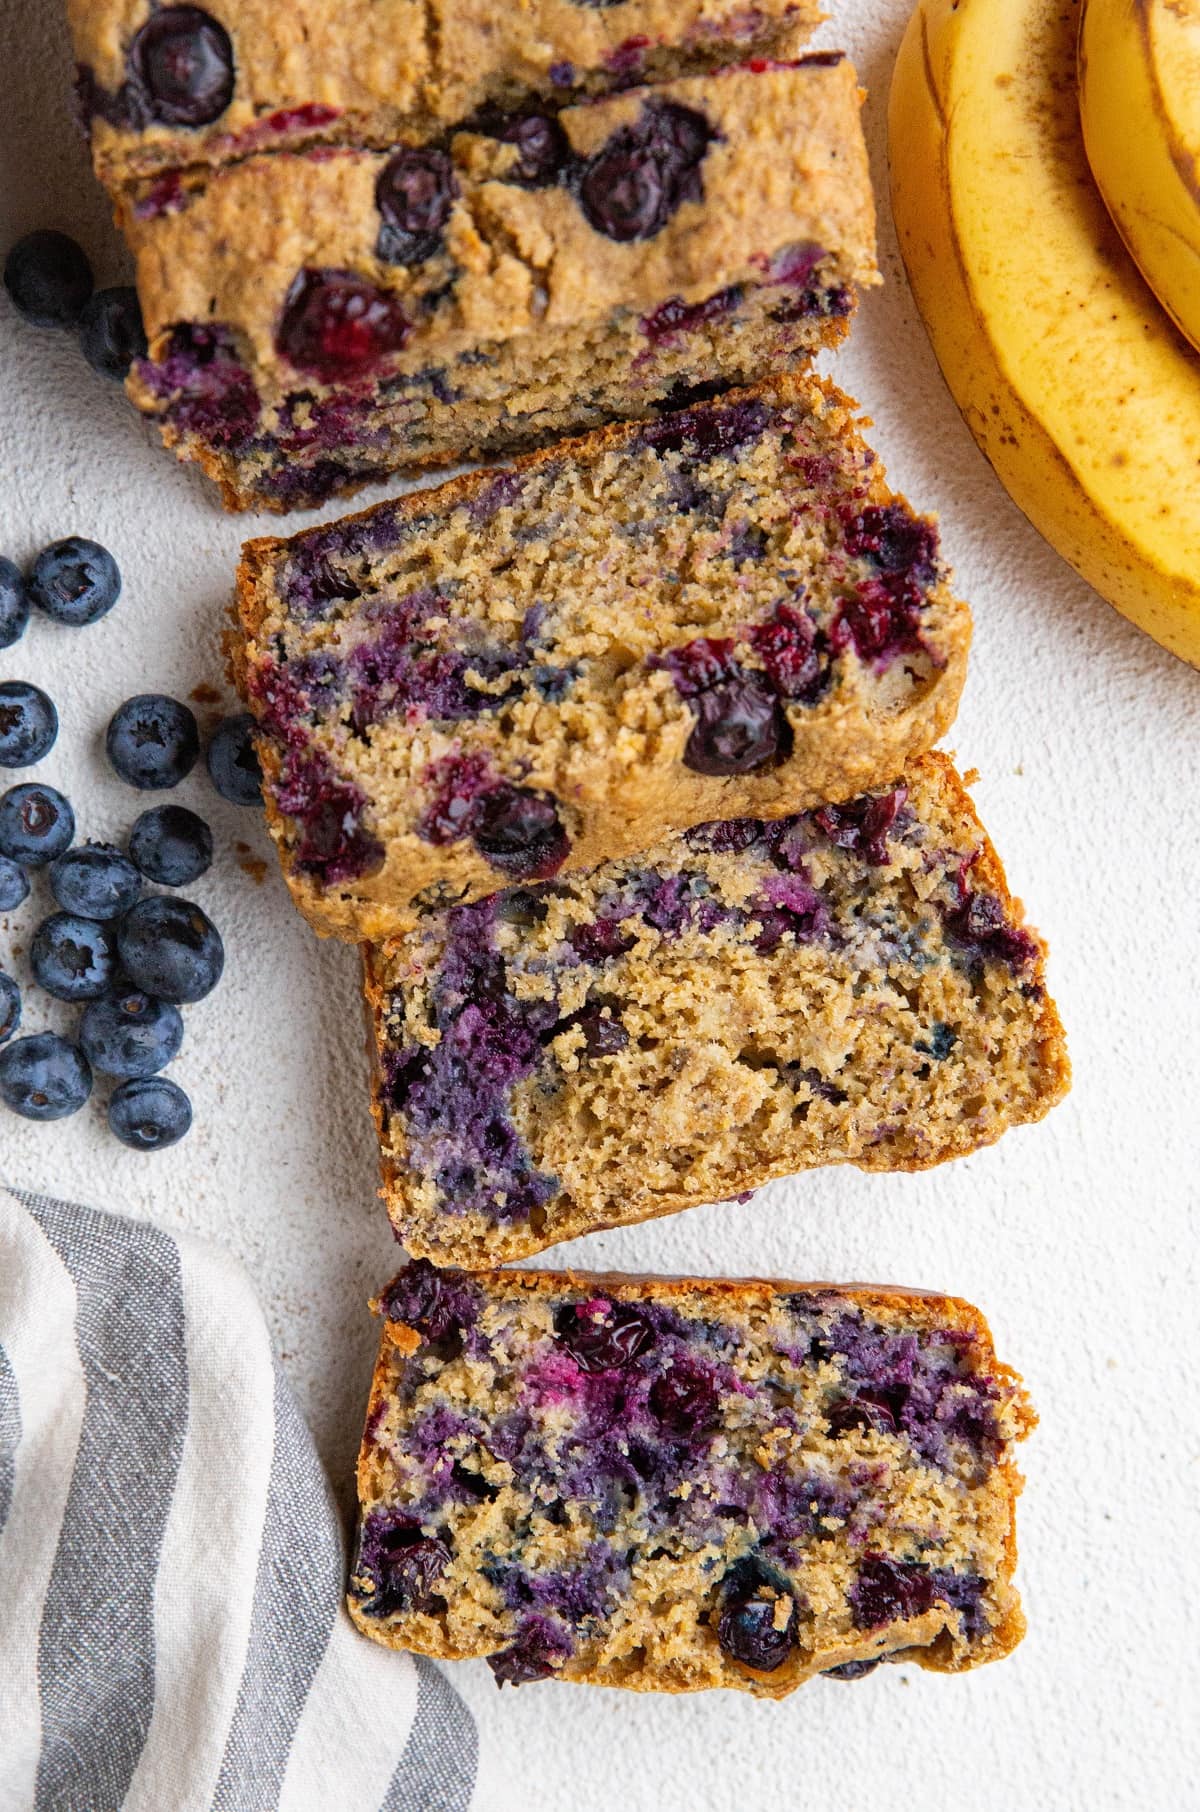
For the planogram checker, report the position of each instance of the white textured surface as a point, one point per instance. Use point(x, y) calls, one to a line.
point(1077, 1237)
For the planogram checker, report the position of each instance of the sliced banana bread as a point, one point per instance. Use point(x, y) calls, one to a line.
point(318, 318)
point(744, 1000)
point(686, 1483)
point(724, 612)
point(165, 87)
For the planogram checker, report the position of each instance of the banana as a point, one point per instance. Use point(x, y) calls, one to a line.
point(1072, 380)
point(1139, 99)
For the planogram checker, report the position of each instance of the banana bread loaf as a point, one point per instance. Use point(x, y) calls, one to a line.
point(724, 612)
point(745, 1000)
point(686, 1483)
point(165, 87)
point(316, 319)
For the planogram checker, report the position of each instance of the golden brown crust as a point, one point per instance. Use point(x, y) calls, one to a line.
point(898, 1301)
point(924, 1648)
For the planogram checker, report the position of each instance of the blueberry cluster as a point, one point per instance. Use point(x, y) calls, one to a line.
point(336, 325)
point(49, 279)
point(659, 1414)
point(130, 959)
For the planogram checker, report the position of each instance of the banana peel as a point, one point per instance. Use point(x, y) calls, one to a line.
point(1139, 101)
point(1073, 381)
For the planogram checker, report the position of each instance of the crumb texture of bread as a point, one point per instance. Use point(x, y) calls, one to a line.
point(417, 305)
point(267, 76)
point(532, 670)
point(743, 1001)
point(674, 1484)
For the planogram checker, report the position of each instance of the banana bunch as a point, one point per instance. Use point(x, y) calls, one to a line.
point(1139, 99)
point(1069, 374)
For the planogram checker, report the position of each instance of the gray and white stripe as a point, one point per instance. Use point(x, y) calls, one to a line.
point(171, 1560)
point(10, 1433)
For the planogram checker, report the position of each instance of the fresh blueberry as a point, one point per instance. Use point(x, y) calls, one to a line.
point(520, 833)
point(889, 1591)
point(49, 279)
point(602, 1336)
point(28, 724)
point(14, 885)
point(171, 845)
point(152, 741)
point(336, 325)
point(14, 603)
point(233, 761)
point(171, 949)
point(95, 880)
point(414, 195)
point(979, 924)
point(149, 1112)
point(636, 181)
point(686, 1398)
point(44, 1077)
point(111, 332)
point(538, 1651)
point(740, 726)
point(602, 1036)
point(73, 958)
point(748, 1632)
point(436, 1303)
point(851, 1670)
point(407, 1567)
point(36, 824)
point(10, 1006)
point(863, 826)
point(542, 150)
point(181, 65)
point(75, 581)
point(127, 1033)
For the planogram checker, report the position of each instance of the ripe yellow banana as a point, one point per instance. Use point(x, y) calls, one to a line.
point(1073, 381)
point(1139, 98)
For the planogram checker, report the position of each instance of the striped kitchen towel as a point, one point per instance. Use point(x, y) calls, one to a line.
point(172, 1633)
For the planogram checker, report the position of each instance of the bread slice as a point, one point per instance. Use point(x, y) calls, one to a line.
point(531, 671)
point(745, 1000)
point(243, 76)
point(321, 318)
point(682, 1483)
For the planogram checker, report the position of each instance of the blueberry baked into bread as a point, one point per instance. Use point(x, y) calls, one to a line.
point(723, 612)
point(165, 87)
point(528, 277)
point(744, 1000)
point(686, 1483)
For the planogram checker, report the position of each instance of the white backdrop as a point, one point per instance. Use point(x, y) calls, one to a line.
point(1077, 1237)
